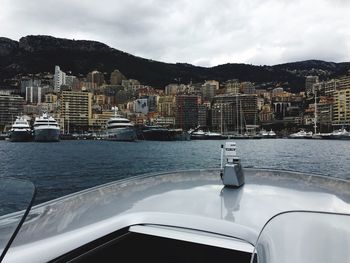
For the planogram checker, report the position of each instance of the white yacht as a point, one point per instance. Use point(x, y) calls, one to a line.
point(20, 131)
point(231, 214)
point(206, 135)
point(302, 134)
point(271, 134)
point(341, 134)
point(46, 129)
point(263, 133)
point(119, 128)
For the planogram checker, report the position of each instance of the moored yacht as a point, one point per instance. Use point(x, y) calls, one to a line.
point(20, 131)
point(157, 133)
point(200, 134)
point(46, 129)
point(302, 134)
point(267, 134)
point(271, 134)
point(120, 128)
point(263, 133)
point(340, 134)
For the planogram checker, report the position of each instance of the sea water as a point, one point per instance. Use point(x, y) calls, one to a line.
point(68, 166)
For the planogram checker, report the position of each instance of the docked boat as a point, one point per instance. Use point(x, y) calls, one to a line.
point(263, 133)
point(230, 214)
point(157, 133)
point(46, 129)
point(267, 134)
point(20, 131)
point(120, 128)
point(239, 136)
point(340, 134)
point(302, 134)
point(271, 134)
point(215, 136)
point(199, 134)
point(180, 135)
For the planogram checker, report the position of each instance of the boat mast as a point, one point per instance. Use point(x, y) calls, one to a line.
point(67, 111)
point(315, 117)
point(241, 115)
point(221, 119)
point(237, 129)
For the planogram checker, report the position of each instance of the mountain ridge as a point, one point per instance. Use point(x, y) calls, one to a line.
point(40, 53)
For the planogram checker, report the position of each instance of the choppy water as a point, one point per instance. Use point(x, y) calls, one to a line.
point(69, 166)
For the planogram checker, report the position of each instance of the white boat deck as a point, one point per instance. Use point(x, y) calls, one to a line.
point(192, 200)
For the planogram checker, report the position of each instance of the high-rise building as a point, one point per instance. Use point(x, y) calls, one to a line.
point(208, 91)
point(266, 114)
point(70, 81)
point(59, 79)
point(96, 77)
point(233, 113)
point(327, 88)
point(187, 111)
point(214, 83)
point(141, 106)
point(248, 88)
point(341, 107)
point(344, 82)
point(203, 115)
point(152, 102)
point(29, 82)
point(76, 110)
point(173, 89)
point(131, 84)
point(324, 113)
point(34, 95)
point(117, 77)
point(10, 108)
point(330, 87)
point(232, 86)
point(166, 106)
point(309, 82)
point(50, 98)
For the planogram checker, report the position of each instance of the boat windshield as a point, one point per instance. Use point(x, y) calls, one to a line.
point(16, 200)
point(300, 236)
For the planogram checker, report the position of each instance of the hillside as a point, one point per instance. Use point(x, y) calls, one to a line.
point(35, 54)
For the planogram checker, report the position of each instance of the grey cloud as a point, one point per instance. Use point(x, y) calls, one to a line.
point(203, 32)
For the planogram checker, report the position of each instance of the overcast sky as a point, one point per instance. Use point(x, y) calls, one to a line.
point(200, 32)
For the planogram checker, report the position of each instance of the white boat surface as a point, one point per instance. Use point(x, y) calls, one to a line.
point(271, 134)
point(267, 134)
point(120, 128)
point(46, 129)
point(20, 130)
point(340, 134)
point(263, 133)
point(191, 216)
point(302, 134)
point(200, 134)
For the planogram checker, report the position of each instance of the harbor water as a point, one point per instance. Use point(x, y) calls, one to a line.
point(69, 166)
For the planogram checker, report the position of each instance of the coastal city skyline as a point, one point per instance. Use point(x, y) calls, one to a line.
point(86, 103)
point(157, 62)
point(205, 33)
